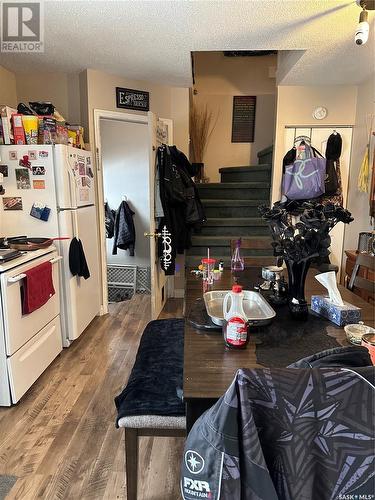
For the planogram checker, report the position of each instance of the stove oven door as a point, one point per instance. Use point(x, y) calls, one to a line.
point(20, 328)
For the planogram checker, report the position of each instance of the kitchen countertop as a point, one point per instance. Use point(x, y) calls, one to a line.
point(26, 257)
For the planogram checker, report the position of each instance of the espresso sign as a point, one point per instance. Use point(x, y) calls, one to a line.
point(132, 99)
point(243, 121)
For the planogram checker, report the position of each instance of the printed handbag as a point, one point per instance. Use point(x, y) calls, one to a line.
point(304, 179)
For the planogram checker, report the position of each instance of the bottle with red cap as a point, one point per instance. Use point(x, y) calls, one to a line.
point(235, 321)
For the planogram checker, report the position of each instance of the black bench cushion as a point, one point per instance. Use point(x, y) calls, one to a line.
point(155, 383)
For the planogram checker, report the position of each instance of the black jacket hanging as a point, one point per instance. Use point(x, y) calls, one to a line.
point(171, 196)
point(182, 207)
point(109, 221)
point(194, 211)
point(124, 230)
point(77, 259)
point(333, 152)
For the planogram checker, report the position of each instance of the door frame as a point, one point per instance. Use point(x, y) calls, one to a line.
point(100, 114)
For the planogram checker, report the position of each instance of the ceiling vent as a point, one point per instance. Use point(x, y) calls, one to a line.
point(249, 53)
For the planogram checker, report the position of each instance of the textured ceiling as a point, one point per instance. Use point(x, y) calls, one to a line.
point(152, 40)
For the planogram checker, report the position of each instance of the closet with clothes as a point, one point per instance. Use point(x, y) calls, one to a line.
point(325, 178)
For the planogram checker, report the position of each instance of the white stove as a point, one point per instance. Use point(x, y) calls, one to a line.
point(28, 342)
point(25, 257)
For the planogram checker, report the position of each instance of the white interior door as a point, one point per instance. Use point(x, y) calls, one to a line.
point(160, 131)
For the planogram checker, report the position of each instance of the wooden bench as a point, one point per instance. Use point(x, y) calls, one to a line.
point(151, 403)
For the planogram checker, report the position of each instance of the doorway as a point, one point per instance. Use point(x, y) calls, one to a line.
point(126, 146)
point(125, 165)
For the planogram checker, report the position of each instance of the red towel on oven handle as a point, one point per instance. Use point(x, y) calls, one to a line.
point(37, 287)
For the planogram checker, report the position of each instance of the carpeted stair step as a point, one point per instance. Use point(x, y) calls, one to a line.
point(220, 245)
point(235, 190)
point(256, 173)
point(232, 208)
point(240, 226)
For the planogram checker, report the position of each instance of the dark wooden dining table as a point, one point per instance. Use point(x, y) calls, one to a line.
point(209, 366)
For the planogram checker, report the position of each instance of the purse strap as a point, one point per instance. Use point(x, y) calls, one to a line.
point(316, 152)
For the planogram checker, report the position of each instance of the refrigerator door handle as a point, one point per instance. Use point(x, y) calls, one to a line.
point(56, 259)
point(75, 223)
point(72, 182)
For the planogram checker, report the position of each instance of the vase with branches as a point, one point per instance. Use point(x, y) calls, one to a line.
point(202, 124)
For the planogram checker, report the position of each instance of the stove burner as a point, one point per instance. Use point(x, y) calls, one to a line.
point(7, 254)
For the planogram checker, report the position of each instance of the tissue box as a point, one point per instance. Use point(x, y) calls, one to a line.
point(340, 315)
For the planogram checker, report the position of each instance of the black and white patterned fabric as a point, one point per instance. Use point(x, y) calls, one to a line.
point(290, 434)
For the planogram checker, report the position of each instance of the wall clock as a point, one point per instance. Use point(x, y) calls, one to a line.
point(320, 113)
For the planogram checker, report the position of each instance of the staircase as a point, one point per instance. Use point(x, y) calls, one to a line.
point(231, 208)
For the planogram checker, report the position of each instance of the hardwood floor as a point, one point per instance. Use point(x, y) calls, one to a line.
point(60, 439)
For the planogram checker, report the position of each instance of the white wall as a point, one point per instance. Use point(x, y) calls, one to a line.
point(125, 172)
point(358, 202)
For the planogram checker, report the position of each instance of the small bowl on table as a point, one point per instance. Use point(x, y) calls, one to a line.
point(354, 332)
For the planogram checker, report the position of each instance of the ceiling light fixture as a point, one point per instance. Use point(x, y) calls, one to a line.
point(363, 28)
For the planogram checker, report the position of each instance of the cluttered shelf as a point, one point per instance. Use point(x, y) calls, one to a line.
point(37, 123)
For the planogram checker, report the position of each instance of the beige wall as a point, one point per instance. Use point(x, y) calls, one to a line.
point(217, 80)
point(358, 203)
point(295, 106)
point(165, 102)
point(180, 117)
point(101, 93)
point(8, 93)
point(61, 89)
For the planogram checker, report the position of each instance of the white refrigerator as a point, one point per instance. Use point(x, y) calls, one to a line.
point(60, 178)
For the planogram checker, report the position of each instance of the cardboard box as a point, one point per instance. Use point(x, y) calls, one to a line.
point(47, 130)
point(76, 136)
point(6, 113)
point(340, 315)
point(61, 133)
point(18, 131)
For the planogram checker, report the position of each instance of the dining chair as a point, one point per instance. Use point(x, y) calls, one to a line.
point(367, 262)
point(285, 433)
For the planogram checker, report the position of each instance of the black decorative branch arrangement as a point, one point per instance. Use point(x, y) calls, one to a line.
point(302, 241)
